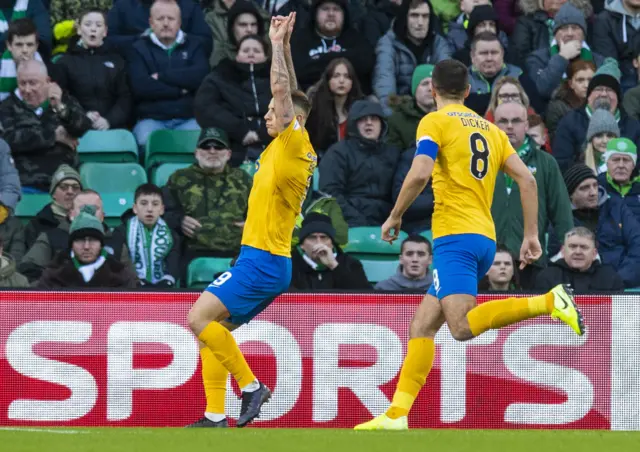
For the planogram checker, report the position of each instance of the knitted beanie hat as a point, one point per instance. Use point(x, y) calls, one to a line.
point(602, 121)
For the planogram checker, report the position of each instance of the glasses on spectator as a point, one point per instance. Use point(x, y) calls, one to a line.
point(65, 187)
point(213, 147)
point(509, 97)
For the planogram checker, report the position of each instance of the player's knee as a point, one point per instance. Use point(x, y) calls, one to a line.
point(195, 320)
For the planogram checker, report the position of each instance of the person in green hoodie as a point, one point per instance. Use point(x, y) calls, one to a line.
point(554, 206)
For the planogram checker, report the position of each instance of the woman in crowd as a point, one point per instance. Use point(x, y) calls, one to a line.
point(95, 75)
point(603, 127)
point(332, 97)
point(507, 89)
point(503, 275)
point(235, 97)
point(571, 94)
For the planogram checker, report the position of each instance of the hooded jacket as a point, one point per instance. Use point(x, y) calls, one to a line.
point(348, 275)
point(395, 61)
point(359, 172)
point(460, 35)
point(311, 52)
point(598, 278)
point(97, 79)
point(615, 34)
point(9, 277)
point(399, 282)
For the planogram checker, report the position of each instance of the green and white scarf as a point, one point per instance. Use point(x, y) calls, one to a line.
point(87, 271)
point(8, 80)
point(19, 12)
point(149, 249)
point(523, 151)
point(317, 266)
point(589, 112)
point(170, 48)
point(585, 51)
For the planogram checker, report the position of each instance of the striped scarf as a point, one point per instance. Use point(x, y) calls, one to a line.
point(149, 249)
point(8, 80)
point(19, 12)
point(523, 151)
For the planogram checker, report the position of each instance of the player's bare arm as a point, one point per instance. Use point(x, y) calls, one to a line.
point(531, 249)
point(413, 184)
point(280, 79)
point(293, 81)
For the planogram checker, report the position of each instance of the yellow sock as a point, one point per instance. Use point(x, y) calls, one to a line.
point(224, 349)
point(214, 380)
point(417, 365)
point(498, 313)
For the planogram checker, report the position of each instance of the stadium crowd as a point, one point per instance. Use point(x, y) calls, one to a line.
point(559, 77)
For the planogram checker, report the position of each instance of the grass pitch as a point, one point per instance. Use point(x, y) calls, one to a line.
point(310, 440)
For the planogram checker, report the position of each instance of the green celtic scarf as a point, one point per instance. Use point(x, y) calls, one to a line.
point(8, 80)
point(550, 24)
point(88, 270)
point(523, 151)
point(149, 248)
point(19, 12)
point(585, 51)
point(616, 114)
point(313, 264)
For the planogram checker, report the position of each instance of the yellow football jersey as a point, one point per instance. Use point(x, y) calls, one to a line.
point(280, 184)
point(470, 153)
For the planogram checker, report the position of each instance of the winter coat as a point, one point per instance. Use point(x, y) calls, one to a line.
point(399, 282)
point(395, 64)
point(403, 124)
point(180, 74)
point(98, 80)
point(631, 103)
point(359, 172)
point(614, 35)
point(311, 53)
point(32, 138)
point(348, 275)
point(598, 278)
point(12, 233)
point(56, 240)
point(62, 273)
point(217, 201)
point(508, 12)
point(417, 218)
point(572, 133)
point(9, 178)
point(557, 109)
point(37, 12)
point(530, 33)
point(554, 205)
point(631, 199)
point(42, 222)
point(458, 35)
point(9, 277)
point(235, 97)
point(547, 71)
point(129, 19)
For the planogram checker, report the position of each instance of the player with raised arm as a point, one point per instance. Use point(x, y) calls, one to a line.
point(263, 269)
point(465, 153)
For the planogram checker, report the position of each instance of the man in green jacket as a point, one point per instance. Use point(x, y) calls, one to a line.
point(554, 206)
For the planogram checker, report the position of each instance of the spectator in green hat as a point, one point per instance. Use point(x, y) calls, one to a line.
point(621, 180)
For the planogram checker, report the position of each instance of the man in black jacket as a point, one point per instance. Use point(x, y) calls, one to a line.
point(579, 266)
point(319, 264)
point(359, 170)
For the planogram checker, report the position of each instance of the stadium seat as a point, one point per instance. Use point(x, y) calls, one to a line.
point(162, 173)
point(316, 179)
point(30, 205)
point(365, 242)
point(428, 235)
point(248, 167)
point(171, 146)
point(112, 177)
point(115, 204)
point(201, 270)
point(379, 270)
point(114, 146)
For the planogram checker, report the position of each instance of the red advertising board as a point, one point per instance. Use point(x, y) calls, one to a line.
point(332, 360)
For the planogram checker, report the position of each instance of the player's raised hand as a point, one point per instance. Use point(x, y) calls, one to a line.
point(530, 251)
point(292, 22)
point(278, 29)
point(391, 229)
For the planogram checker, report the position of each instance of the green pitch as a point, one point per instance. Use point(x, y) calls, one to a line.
point(307, 440)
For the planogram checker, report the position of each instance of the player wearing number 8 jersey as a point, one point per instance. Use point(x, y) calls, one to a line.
point(263, 269)
point(464, 153)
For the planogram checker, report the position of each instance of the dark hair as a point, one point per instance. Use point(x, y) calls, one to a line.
point(565, 92)
point(92, 9)
point(301, 102)
point(514, 284)
point(535, 120)
point(487, 37)
point(450, 79)
point(260, 39)
point(416, 238)
point(21, 27)
point(147, 189)
point(322, 122)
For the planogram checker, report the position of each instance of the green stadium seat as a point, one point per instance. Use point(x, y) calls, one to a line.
point(365, 241)
point(201, 270)
point(112, 177)
point(162, 173)
point(316, 179)
point(379, 270)
point(115, 204)
point(171, 146)
point(114, 146)
point(30, 205)
point(428, 235)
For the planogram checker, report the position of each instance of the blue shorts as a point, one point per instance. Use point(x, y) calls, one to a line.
point(459, 262)
point(256, 279)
